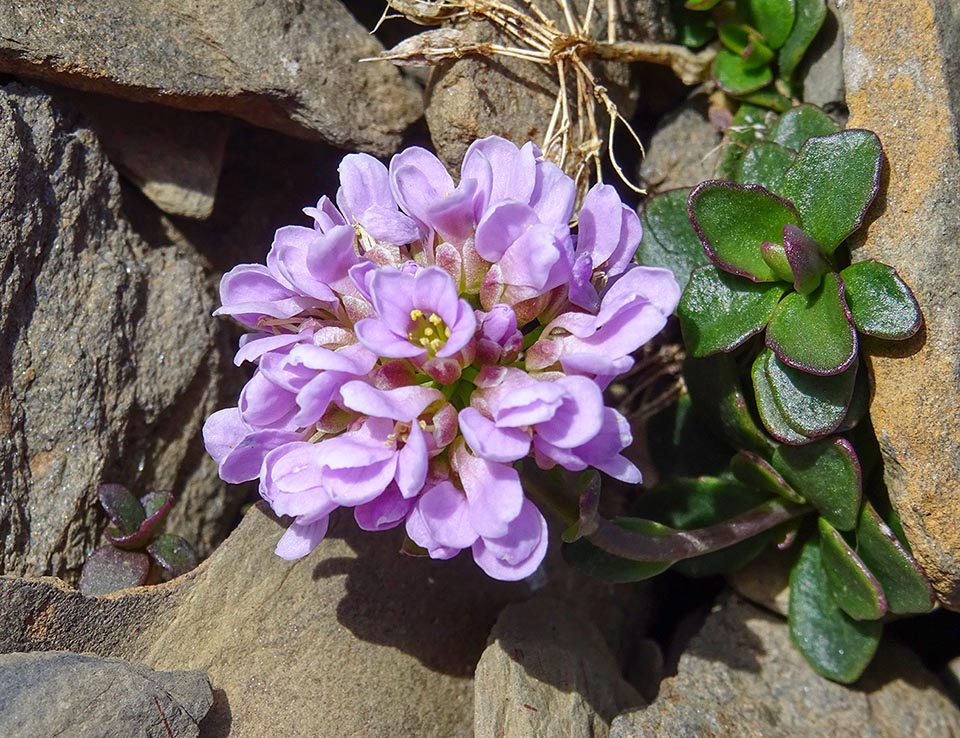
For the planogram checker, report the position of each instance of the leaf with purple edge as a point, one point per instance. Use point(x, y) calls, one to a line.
point(669, 240)
point(588, 496)
point(735, 77)
point(810, 15)
point(768, 97)
point(827, 473)
point(158, 505)
point(881, 303)
point(733, 220)
point(907, 589)
point(743, 40)
point(764, 163)
point(832, 183)
point(835, 645)
point(799, 124)
point(770, 414)
point(773, 18)
point(124, 510)
point(109, 569)
point(596, 562)
point(812, 405)
point(814, 332)
point(854, 588)
point(173, 553)
point(756, 472)
point(719, 311)
point(807, 263)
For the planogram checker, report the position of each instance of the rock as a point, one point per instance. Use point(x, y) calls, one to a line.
point(354, 640)
point(822, 67)
point(765, 581)
point(291, 66)
point(742, 678)
point(84, 696)
point(684, 149)
point(109, 361)
point(173, 156)
point(905, 86)
point(547, 672)
point(476, 96)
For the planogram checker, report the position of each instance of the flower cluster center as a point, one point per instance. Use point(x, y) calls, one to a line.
point(428, 331)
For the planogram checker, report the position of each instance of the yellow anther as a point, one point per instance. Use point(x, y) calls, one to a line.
point(446, 332)
point(416, 314)
point(435, 345)
point(435, 319)
point(426, 342)
point(428, 331)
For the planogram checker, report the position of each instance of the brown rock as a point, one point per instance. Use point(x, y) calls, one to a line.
point(354, 640)
point(741, 677)
point(291, 66)
point(902, 86)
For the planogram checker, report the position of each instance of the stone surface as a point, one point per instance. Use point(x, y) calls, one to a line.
point(291, 66)
point(109, 361)
point(84, 696)
point(482, 96)
point(547, 672)
point(683, 151)
point(822, 67)
point(354, 640)
point(742, 678)
point(765, 581)
point(906, 87)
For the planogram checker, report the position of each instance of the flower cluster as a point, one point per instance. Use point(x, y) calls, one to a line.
point(423, 336)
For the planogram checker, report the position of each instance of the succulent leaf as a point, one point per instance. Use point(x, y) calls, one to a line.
point(109, 569)
point(807, 263)
point(736, 77)
point(826, 473)
point(596, 562)
point(854, 588)
point(124, 510)
point(669, 240)
point(773, 18)
point(755, 472)
point(173, 553)
point(770, 414)
point(812, 405)
point(764, 163)
point(810, 15)
point(801, 123)
point(881, 303)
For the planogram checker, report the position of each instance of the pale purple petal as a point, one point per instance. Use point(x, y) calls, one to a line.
point(403, 403)
point(364, 183)
point(325, 215)
point(412, 462)
point(222, 431)
point(529, 405)
point(553, 196)
point(513, 170)
point(487, 440)
point(599, 228)
point(579, 418)
point(377, 336)
point(249, 292)
point(531, 259)
point(502, 226)
point(291, 481)
point(301, 538)
point(385, 511)
point(444, 510)
point(493, 491)
point(258, 344)
point(419, 532)
point(244, 461)
point(520, 552)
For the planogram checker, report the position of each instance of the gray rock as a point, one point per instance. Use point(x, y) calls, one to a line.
point(109, 361)
point(742, 678)
point(822, 68)
point(291, 66)
point(84, 696)
point(547, 672)
point(765, 581)
point(905, 86)
point(683, 151)
point(354, 640)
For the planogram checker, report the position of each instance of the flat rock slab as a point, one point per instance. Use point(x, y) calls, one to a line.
point(354, 640)
point(741, 677)
point(291, 66)
point(906, 87)
point(547, 672)
point(85, 696)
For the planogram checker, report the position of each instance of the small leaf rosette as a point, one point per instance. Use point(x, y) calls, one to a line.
point(423, 336)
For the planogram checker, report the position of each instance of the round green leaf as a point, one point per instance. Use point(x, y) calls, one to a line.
point(855, 590)
point(827, 474)
point(124, 510)
point(801, 123)
point(810, 15)
point(881, 303)
point(832, 183)
point(735, 77)
point(814, 332)
point(719, 311)
point(749, 125)
point(764, 164)
point(834, 644)
point(770, 413)
point(813, 406)
point(734, 220)
point(669, 240)
point(755, 472)
point(173, 553)
point(596, 562)
point(768, 97)
point(109, 569)
point(904, 584)
point(773, 18)
point(694, 29)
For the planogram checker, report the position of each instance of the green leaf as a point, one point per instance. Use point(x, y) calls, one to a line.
point(757, 473)
point(747, 43)
point(814, 332)
point(719, 311)
point(669, 240)
point(881, 303)
point(904, 584)
point(173, 553)
point(801, 123)
point(813, 406)
point(714, 384)
point(770, 413)
point(826, 473)
point(733, 220)
point(735, 77)
point(700, 4)
point(859, 404)
point(764, 164)
point(109, 569)
point(588, 495)
point(157, 506)
point(749, 125)
point(124, 510)
point(810, 15)
point(854, 588)
point(596, 562)
point(835, 645)
point(768, 97)
point(806, 260)
point(832, 183)
point(773, 18)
